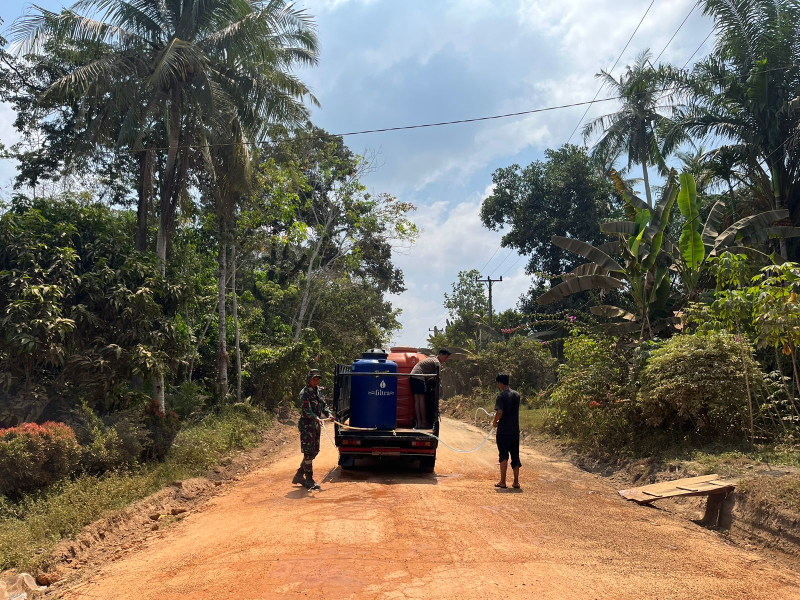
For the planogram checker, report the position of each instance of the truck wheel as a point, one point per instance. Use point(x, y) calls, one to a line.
point(426, 464)
point(347, 462)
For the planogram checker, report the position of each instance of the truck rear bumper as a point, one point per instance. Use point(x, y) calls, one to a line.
point(367, 451)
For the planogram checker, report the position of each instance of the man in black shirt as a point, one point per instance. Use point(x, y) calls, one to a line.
point(506, 420)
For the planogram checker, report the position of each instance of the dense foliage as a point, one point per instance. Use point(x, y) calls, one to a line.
point(529, 364)
point(592, 401)
point(700, 383)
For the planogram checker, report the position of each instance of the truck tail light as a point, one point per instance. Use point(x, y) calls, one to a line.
point(427, 444)
point(351, 442)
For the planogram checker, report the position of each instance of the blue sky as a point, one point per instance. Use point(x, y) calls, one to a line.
point(386, 63)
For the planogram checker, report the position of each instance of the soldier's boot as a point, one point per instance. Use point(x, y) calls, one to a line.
point(309, 481)
point(299, 477)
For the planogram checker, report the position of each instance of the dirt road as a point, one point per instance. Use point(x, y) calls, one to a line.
point(390, 533)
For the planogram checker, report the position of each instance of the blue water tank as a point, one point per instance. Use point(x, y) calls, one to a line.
point(373, 400)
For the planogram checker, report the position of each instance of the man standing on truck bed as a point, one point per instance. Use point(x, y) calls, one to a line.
point(429, 366)
point(312, 412)
point(506, 420)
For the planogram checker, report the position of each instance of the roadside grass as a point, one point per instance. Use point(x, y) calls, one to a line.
point(764, 491)
point(532, 420)
point(32, 526)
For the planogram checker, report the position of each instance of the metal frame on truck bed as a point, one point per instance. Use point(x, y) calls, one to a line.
point(378, 443)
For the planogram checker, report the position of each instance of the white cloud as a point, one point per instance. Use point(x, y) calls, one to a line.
point(454, 240)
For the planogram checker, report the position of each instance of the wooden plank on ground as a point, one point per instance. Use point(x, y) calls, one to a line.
point(689, 486)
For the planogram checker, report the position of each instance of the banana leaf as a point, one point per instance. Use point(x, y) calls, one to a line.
point(663, 209)
point(630, 228)
point(713, 221)
point(691, 243)
point(661, 219)
point(588, 269)
point(606, 310)
point(579, 284)
point(659, 295)
point(747, 226)
point(692, 249)
point(610, 248)
point(619, 227)
point(642, 218)
point(627, 194)
point(771, 233)
point(587, 251)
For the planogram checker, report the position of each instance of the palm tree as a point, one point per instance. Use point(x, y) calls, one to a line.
point(697, 161)
point(195, 73)
point(181, 71)
point(634, 129)
point(744, 94)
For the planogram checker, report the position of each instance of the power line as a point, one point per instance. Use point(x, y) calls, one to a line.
point(698, 48)
point(382, 130)
point(521, 256)
point(676, 32)
point(404, 127)
point(491, 257)
point(510, 252)
point(611, 70)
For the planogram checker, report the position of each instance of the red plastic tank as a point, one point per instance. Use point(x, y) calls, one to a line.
point(406, 358)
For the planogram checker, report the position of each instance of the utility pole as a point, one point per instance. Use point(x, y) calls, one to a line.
point(490, 281)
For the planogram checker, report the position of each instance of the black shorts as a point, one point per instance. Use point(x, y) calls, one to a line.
point(417, 386)
point(508, 443)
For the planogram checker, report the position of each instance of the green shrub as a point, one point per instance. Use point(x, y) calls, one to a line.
point(697, 383)
point(187, 399)
point(107, 444)
point(33, 456)
point(591, 403)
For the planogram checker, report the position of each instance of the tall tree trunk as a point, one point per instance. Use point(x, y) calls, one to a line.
point(143, 205)
point(301, 313)
point(165, 216)
point(313, 309)
point(168, 191)
point(201, 338)
point(647, 184)
point(222, 350)
point(235, 302)
point(158, 391)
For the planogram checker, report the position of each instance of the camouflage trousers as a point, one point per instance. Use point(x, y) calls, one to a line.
point(309, 444)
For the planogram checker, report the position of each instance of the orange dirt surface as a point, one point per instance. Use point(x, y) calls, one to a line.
point(386, 531)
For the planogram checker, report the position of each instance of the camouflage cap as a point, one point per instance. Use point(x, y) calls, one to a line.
point(313, 373)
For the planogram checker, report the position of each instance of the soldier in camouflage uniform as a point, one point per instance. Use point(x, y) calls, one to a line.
point(312, 413)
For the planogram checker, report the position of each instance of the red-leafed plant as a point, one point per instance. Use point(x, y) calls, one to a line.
point(33, 456)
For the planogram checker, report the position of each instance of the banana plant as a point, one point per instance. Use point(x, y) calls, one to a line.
point(698, 242)
point(639, 271)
